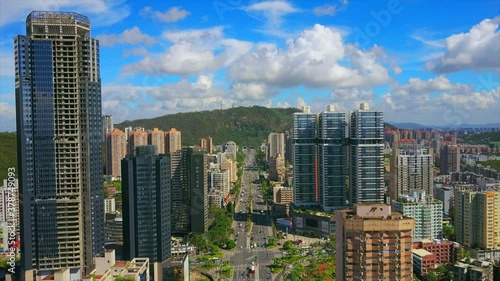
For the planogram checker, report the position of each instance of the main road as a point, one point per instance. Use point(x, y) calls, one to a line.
point(251, 249)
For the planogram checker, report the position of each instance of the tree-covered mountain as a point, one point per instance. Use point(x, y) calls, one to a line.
point(243, 125)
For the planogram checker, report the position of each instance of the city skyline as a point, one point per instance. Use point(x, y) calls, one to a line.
point(401, 57)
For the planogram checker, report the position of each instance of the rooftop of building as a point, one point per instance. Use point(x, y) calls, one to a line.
point(421, 252)
point(314, 212)
point(50, 15)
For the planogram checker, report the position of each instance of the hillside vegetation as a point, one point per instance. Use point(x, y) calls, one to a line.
point(8, 154)
point(244, 125)
point(480, 138)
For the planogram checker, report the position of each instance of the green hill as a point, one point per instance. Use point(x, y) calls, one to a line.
point(243, 125)
point(8, 154)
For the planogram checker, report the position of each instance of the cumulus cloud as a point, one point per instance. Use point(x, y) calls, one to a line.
point(318, 58)
point(477, 49)
point(128, 36)
point(102, 12)
point(172, 15)
point(438, 101)
point(191, 51)
point(130, 102)
point(250, 92)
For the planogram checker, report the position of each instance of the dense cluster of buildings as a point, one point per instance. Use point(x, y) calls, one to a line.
point(329, 174)
point(65, 221)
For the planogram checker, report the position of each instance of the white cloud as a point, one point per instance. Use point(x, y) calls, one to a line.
point(172, 15)
point(250, 91)
point(130, 102)
point(477, 50)
point(271, 14)
point(100, 12)
point(273, 11)
point(325, 10)
point(141, 51)
point(416, 86)
point(317, 58)
point(428, 42)
point(128, 36)
point(7, 117)
point(192, 51)
point(437, 101)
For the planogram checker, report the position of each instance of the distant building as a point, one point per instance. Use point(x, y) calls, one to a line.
point(411, 170)
point(136, 138)
point(449, 159)
point(189, 174)
point(146, 205)
point(113, 229)
point(231, 150)
point(207, 144)
point(275, 145)
point(9, 212)
point(427, 214)
point(116, 150)
point(231, 166)
point(444, 194)
point(477, 219)
point(473, 270)
point(220, 181)
point(277, 168)
point(107, 268)
point(173, 141)
point(107, 124)
point(373, 243)
point(109, 205)
point(157, 138)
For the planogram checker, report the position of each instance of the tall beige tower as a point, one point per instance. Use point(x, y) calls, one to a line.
point(173, 141)
point(157, 138)
point(116, 150)
point(136, 138)
point(373, 243)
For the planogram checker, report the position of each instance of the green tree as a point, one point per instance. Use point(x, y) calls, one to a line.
point(230, 207)
point(449, 232)
point(230, 244)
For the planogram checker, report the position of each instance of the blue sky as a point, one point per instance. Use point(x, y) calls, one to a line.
point(428, 62)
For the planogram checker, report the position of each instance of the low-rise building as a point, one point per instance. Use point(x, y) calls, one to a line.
point(443, 249)
point(107, 268)
point(423, 261)
point(473, 270)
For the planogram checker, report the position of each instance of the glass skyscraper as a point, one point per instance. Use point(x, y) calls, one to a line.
point(320, 159)
point(146, 205)
point(59, 137)
point(332, 152)
point(305, 158)
point(366, 179)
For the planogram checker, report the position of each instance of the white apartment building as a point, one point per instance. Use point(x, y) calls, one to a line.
point(428, 215)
